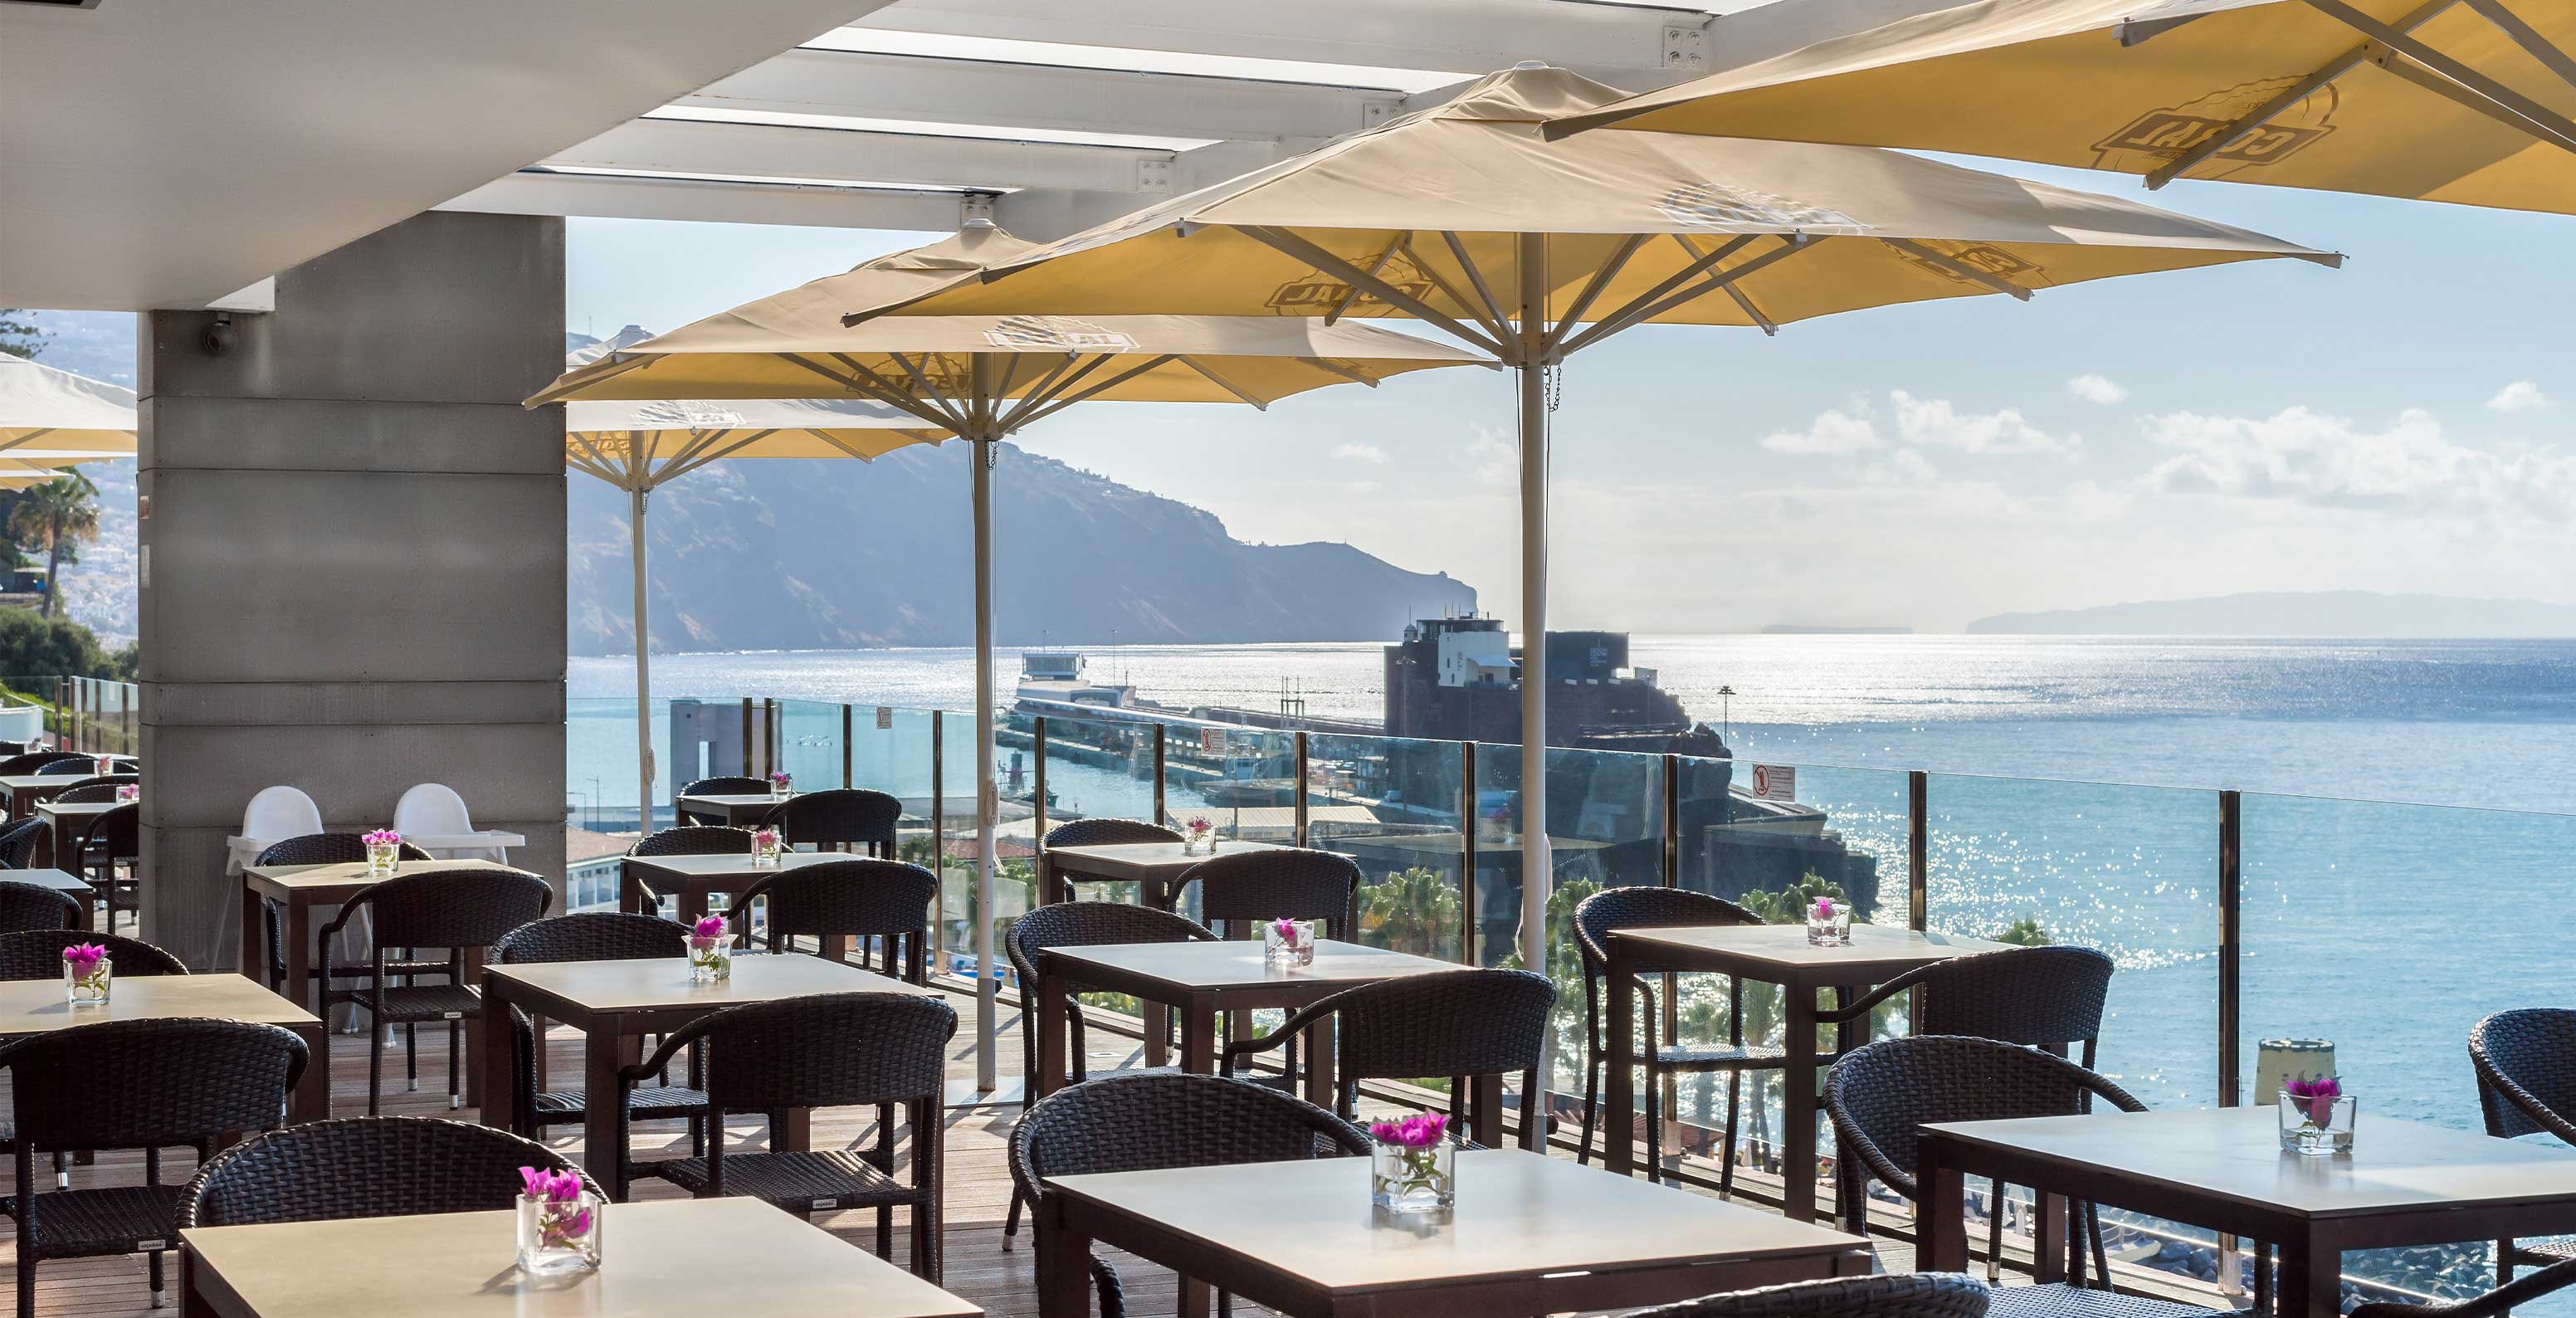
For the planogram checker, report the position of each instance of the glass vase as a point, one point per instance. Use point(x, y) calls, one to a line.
point(1830, 930)
point(1291, 947)
point(1199, 844)
point(2316, 1127)
point(1406, 1178)
point(764, 849)
point(710, 959)
point(381, 857)
point(89, 988)
point(559, 1236)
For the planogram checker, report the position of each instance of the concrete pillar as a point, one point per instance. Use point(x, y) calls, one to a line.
point(353, 554)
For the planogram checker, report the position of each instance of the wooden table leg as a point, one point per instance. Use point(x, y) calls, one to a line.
point(1321, 1085)
point(603, 1051)
point(2048, 1240)
point(471, 1054)
point(1619, 1085)
point(498, 1108)
point(794, 1132)
point(311, 1100)
point(1198, 1038)
point(1798, 1108)
point(252, 957)
point(2309, 1282)
point(1158, 1034)
point(1063, 1265)
point(1053, 1066)
point(1942, 1227)
point(1485, 1109)
point(631, 895)
point(836, 947)
point(295, 933)
point(45, 855)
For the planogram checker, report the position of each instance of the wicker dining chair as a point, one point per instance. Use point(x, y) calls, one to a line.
point(455, 910)
point(824, 1050)
point(311, 849)
point(592, 936)
point(1466, 1025)
point(2039, 997)
point(1238, 890)
point(27, 906)
point(1614, 909)
point(26, 765)
point(721, 785)
point(38, 954)
point(689, 840)
point(2525, 1062)
point(1149, 1120)
point(839, 819)
point(1104, 831)
point(1901, 1295)
point(125, 1085)
point(94, 789)
point(111, 856)
point(2497, 1303)
point(356, 1167)
point(886, 904)
point(64, 768)
point(18, 842)
point(1076, 924)
point(1878, 1096)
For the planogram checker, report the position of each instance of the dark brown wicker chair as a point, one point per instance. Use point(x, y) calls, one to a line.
point(1139, 1121)
point(827, 1050)
point(2526, 1067)
point(1661, 908)
point(884, 903)
point(311, 849)
point(689, 840)
point(1076, 924)
point(1240, 889)
point(456, 910)
point(841, 819)
point(38, 954)
point(1879, 1096)
point(1912, 1295)
point(65, 768)
point(94, 789)
point(721, 785)
point(2496, 1303)
point(1467, 1025)
point(29, 763)
point(592, 936)
point(109, 856)
point(126, 1085)
point(366, 1167)
point(26, 906)
point(18, 842)
point(1101, 832)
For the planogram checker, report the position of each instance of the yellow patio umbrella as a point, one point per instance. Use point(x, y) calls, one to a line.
point(45, 409)
point(984, 378)
point(639, 446)
point(1466, 217)
point(2465, 101)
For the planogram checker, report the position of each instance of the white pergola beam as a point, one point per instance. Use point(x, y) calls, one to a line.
point(674, 146)
point(533, 192)
point(919, 89)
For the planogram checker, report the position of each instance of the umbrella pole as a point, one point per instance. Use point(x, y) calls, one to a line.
point(1535, 871)
point(979, 454)
point(643, 673)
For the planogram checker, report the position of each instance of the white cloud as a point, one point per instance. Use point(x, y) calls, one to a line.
point(1905, 466)
point(1368, 453)
point(1496, 456)
point(2519, 396)
point(2407, 466)
point(1835, 431)
point(2097, 388)
point(1935, 422)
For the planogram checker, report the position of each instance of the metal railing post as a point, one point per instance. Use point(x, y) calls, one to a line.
point(1918, 849)
point(1161, 815)
point(939, 811)
point(1672, 823)
point(1467, 852)
point(747, 736)
point(769, 720)
point(2231, 929)
point(1672, 1008)
point(849, 738)
point(1037, 748)
point(1300, 789)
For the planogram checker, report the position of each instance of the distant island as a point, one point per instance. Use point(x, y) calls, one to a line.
point(1831, 629)
point(2354, 613)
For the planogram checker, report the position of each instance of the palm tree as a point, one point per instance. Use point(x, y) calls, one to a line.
point(53, 517)
point(1414, 910)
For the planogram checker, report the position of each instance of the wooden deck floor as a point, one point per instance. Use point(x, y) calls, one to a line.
point(979, 1186)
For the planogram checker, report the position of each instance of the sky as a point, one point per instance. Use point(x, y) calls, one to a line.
point(2398, 425)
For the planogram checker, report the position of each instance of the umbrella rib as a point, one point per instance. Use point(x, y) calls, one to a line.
point(1790, 245)
point(1335, 368)
point(2527, 37)
point(1039, 401)
point(1486, 313)
point(1496, 316)
point(865, 383)
point(2450, 90)
point(1764, 322)
point(1600, 282)
point(1958, 267)
point(1629, 313)
point(1300, 249)
point(2260, 115)
point(1351, 292)
point(1039, 390)
point(35, 433)
point(2544, 122)
point(1111, 383)
point(700, 454)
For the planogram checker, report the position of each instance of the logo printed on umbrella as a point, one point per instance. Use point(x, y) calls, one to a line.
point(1317, 291)
point(1057, 332)
point(1716, 205)
point(1981, 257)
point(2160, 137)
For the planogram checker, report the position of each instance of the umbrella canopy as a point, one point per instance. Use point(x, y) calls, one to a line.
point(2465, 102)
point(985, 377)
point(1465, 216)
point(638, 446)
point(53, 409)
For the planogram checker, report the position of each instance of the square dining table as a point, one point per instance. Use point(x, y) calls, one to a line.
point(642, 881)
point(62, 881)
point(25, 790)
point(1529, 1234)
point(37, 1006)
point(1200, 980)
point(1154, 867)
point(682, 1258)
point(616, 1003)
point(1762, 954)
point(301, 890)
point(732, 809)
point(67, 828)
point(2404, 1183)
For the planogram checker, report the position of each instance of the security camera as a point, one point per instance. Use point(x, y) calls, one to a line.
point(217, 337)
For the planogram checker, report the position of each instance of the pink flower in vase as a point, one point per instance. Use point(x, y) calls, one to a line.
point(708, 927)
point(83, 958)
point(1288, 932)
point(1419, 1131)
point(383, 837)
point(2317, 1095)
point(1824, 909)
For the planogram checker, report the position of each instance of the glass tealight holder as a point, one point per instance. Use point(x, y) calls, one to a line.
point(559, 1237)
point(710, 959)
point(89, 987)
point(1832, 930)
point(1288, 943)
point(2317, 1127)
point(1405, 1178)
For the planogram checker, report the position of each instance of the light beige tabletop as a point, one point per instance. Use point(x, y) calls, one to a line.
point(739, 863)
point(734, 799)
point(58, 880)
point(2235, 1153)
point(1873, 950)
point(685, 1258)
point(33, 1006)
point(1517, 1214)
point(28, 782)
point(663, 982)
point(355, 871)
point(1140, 855)
point(78, 807)
point(1238, 963)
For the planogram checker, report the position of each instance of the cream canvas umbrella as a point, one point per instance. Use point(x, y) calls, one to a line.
point(1466, 217)
point(986, 377)
point(43, 409)
point(2442, 100)
point(639, 446)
